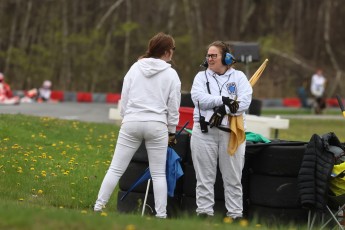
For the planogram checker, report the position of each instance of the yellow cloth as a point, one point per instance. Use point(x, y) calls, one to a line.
point(337, 183)
point(237, 134)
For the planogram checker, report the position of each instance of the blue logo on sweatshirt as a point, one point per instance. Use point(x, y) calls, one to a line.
point(231, 88)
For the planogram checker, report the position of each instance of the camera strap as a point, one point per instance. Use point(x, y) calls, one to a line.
point(209, 91)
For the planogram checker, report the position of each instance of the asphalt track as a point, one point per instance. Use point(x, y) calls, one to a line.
point(99, 112)
point(89, 112)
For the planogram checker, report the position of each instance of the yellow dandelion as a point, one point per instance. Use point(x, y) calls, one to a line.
point(86, 178)
point(243, 223)
point(104, 214)
point(130, 227)
point(21, 199)
point(258, 225)
point(33, 190)
point(73, 198)
point(40, 191)
point(61, 207)
point(228, 220)
point(83, 211)
point(32, 168)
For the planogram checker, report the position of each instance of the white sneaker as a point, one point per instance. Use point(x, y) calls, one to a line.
point(98, 207)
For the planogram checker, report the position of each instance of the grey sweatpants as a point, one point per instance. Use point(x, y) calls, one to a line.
point(209, 149)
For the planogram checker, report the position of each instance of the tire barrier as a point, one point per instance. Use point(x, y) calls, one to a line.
point(269, 181)
point(278, 216)
point(255, 107)
point(279, 160)
point(273, 191)
point(186, 100)
point(133, 203)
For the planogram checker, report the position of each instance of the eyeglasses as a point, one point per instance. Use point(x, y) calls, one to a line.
point(212, 56)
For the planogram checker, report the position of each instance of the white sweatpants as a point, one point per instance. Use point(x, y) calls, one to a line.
point(130, 137)
point(207, 149)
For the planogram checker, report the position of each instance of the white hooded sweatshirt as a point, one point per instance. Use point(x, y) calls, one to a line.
point(151, 92)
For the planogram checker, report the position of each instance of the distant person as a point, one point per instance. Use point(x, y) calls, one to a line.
point(303, 95)
point(6, 94)
point(317, 88)
point(150, 101)
point(44, 92)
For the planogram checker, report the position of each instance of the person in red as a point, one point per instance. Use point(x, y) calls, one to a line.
point(6, 95)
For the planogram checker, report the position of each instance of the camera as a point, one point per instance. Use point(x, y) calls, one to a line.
point(203, 125)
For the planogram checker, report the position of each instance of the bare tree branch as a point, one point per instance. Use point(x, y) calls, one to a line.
point(108, 13)
point(329, 50)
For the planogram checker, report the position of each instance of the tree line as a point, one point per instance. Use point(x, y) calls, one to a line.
point(89, 45)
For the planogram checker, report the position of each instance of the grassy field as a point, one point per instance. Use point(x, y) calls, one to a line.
point(51, 170)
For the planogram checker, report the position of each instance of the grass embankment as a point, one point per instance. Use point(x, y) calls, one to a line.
point(51, 171)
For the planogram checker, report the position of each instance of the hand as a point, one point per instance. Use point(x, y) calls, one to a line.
point(172, 140)
point(217, 117)
point(232, 104)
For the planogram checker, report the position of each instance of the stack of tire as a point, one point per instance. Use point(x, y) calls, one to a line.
point(272, 192)
point(133, 202)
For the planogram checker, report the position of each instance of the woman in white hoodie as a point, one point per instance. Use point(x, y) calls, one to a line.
point(150, 101)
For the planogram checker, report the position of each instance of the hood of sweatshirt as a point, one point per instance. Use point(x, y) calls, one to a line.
point(151, 66)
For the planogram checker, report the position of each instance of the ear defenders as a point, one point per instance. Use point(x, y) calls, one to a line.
point(227, 58)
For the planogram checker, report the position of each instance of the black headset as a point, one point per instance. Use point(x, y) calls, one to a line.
point(227, 59)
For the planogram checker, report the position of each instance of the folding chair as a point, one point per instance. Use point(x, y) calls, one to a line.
point(336, 203)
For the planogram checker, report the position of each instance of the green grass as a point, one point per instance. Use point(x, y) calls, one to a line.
point(303, 129)
point(51, 171)
point(297, 111)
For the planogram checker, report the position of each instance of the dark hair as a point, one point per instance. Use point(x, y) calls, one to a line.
point(158, 45)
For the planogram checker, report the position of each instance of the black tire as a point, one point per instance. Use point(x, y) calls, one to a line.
point(132, 174)
point(279, 160)
point(133, 203)
point(141, 154)
point(186, 100)
point(189, 181)
point(274, 192)
point(278, 216)
point(255, 107)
